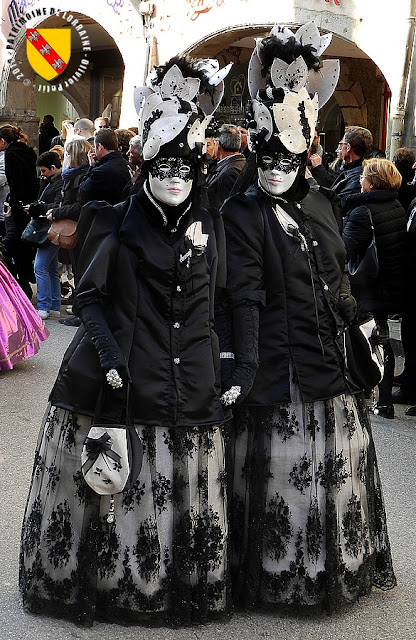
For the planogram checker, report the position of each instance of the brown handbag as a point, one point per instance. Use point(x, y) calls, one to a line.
point(63, 233)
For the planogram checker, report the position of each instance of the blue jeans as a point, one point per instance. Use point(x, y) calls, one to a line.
point(47, 278)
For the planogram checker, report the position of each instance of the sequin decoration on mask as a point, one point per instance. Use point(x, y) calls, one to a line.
point(163, 168)
point(280, 162)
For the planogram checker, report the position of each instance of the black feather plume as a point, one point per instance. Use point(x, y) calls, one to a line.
point(187, 67)
point(271, 48)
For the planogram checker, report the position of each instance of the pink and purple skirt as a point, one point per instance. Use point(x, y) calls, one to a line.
point(21, 328)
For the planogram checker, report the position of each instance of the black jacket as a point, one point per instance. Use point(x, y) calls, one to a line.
point(71, 204)
point(298, 322)
point(409, 276)
point(46, 133)
point(107, 180)
point(157, 287)
point(347, 182)
point(407, 190)
point(22, 178)
point(389, 219)
point(132, 187)
point(50, 194)
point(221, 179)
point(20, 169)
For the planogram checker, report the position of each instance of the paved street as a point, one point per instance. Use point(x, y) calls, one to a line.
point(380, 616)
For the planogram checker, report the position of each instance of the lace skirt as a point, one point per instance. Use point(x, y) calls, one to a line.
point(163, 557)
point(21, 328)
point(308, 526)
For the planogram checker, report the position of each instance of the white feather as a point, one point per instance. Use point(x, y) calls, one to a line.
point(174, 84)
point(324, 81)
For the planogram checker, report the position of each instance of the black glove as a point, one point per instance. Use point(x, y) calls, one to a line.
point(246, 350)
point(347, 304)
point(109, 353)
point(347, 307)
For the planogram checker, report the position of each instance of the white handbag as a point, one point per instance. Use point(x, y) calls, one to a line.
point(112, 454)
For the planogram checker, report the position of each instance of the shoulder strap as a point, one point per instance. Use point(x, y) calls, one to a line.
point(372, 224)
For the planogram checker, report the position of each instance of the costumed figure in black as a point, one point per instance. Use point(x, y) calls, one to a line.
point(308, 528)
point(150, 269)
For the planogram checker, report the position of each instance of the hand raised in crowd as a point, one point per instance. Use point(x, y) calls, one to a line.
point(315, 160)
point(70, 132)
point(92, 158)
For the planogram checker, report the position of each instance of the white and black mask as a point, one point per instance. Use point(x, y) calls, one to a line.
point(171, 179)
point(277, 171)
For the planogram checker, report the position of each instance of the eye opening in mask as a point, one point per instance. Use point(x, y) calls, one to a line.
point(171, 167)
point(183, 171)
point(279, 161)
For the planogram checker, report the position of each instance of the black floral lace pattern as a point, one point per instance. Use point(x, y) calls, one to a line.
point(59, 535)
point(301, 474)
point(308, 527)
point(165, 554)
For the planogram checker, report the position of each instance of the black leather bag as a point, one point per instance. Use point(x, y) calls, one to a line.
point(36, 233)
point(365, 270)
point(364, 358)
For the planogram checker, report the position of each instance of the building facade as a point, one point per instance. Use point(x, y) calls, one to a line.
point(115, 43)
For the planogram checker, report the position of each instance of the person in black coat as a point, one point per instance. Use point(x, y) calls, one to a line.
point(404, 159)
point(21, 174)
point(406, 394)
point(151, 268)
point(355, 145)
point(108, 173)
point(135, 156)
point(300, 445)
point(47, 131)
point(377, 206)
point(230, 161)
point(71, 203)
point(48, 285)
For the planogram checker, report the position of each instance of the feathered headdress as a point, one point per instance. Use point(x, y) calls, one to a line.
point(288, 84)
point(177, 105)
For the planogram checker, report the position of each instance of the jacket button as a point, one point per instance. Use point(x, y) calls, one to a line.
point(314, 242)
point(178, 288)
point(326, 287)
point(176, 325)
point(176, 360)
